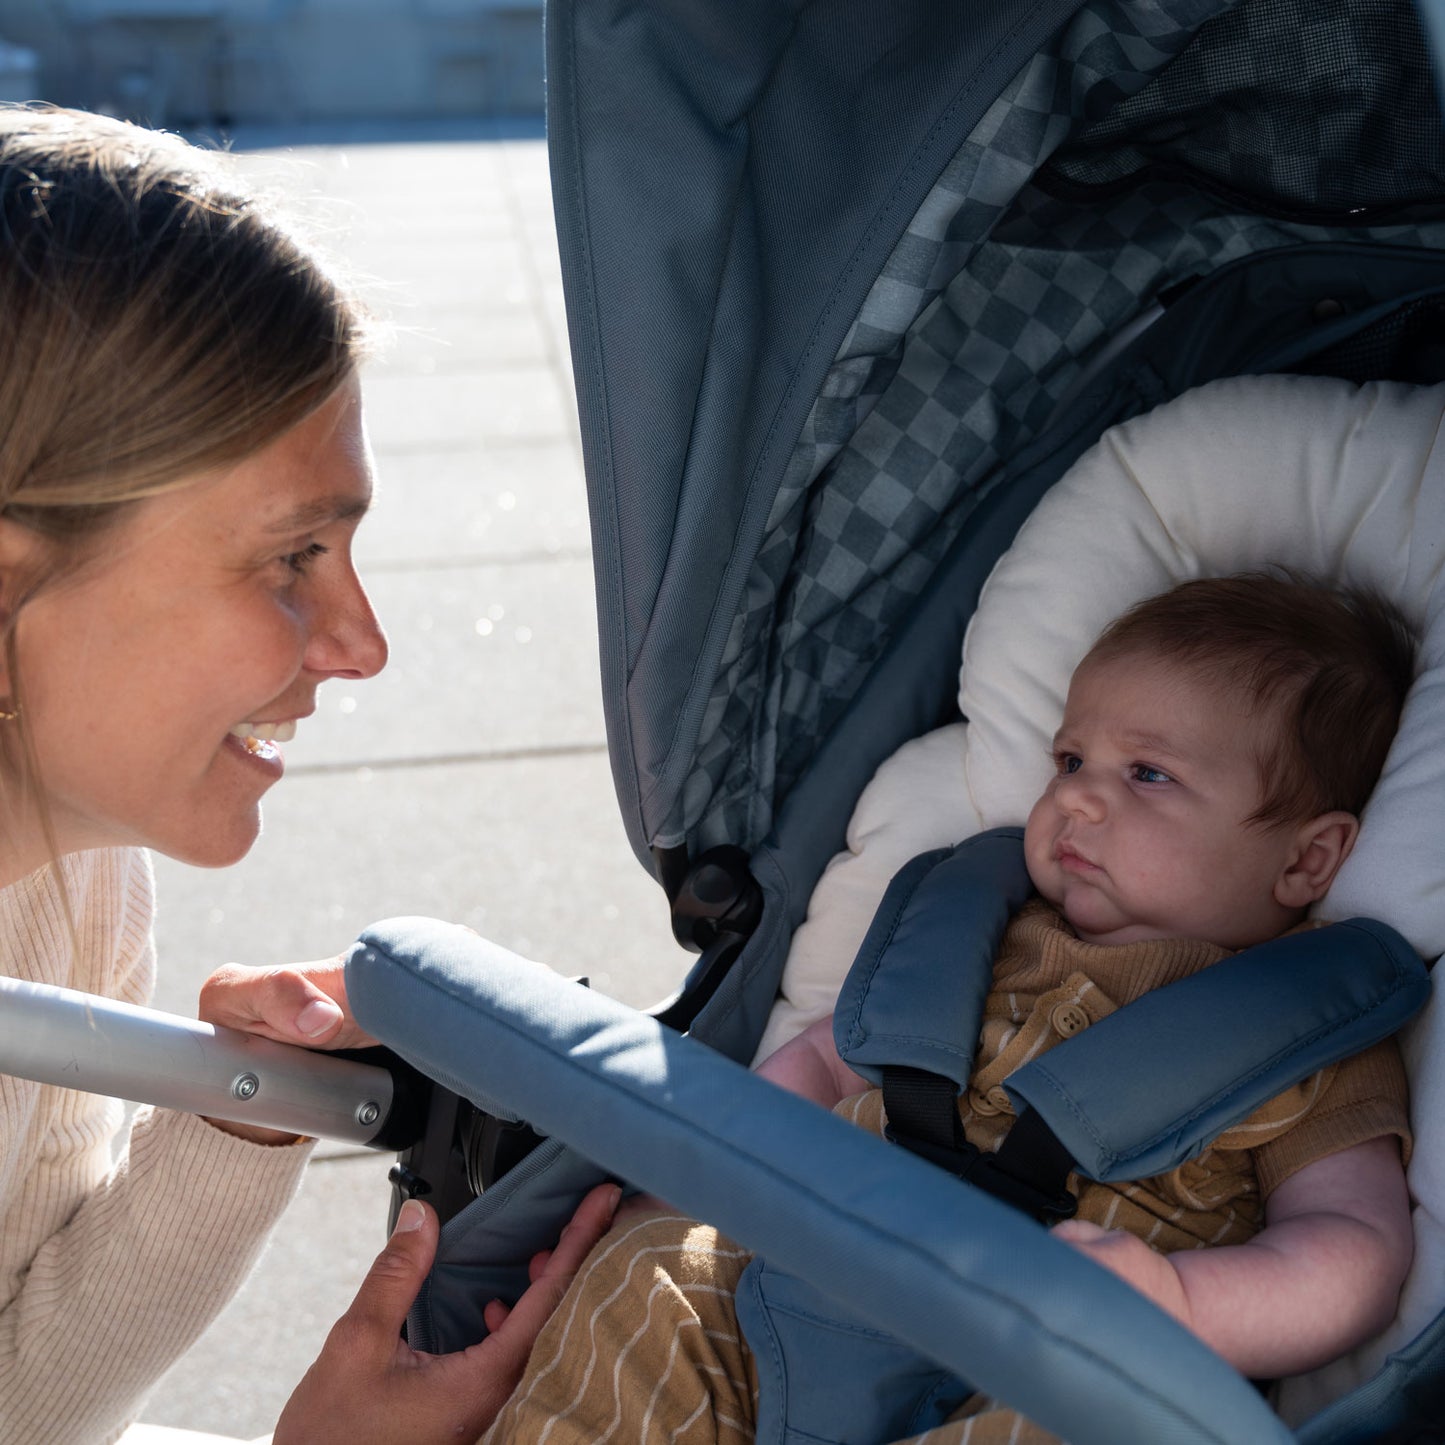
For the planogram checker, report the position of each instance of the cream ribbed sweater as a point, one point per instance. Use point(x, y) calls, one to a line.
point(115, 1252)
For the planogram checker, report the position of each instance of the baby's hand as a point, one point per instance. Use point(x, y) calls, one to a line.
point(1132, 1260)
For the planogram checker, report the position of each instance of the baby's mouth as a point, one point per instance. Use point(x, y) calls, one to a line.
point(260, 738)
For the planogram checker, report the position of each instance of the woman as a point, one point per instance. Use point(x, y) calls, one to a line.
point(183, 469)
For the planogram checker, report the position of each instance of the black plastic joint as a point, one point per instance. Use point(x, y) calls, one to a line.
point(718, 895)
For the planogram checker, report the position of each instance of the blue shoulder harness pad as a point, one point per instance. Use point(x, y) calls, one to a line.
point(930, 951)
point(1211, 1049)
point(1146, 1088)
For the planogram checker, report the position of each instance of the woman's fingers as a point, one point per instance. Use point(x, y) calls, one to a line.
point(302, 1003)
point(367, 1387)
point(380, 1308)
point(516, 1333)
point(1078, 1231)
point(364, 1388)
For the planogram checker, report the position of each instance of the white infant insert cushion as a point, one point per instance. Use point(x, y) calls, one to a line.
point(1314, 473)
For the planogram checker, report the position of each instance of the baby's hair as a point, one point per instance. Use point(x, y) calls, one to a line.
point(156, 322)
point(1331, 664)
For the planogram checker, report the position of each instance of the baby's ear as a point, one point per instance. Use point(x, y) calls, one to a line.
point(1319, 847)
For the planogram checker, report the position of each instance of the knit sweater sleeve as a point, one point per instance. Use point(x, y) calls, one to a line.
point(117, 1249)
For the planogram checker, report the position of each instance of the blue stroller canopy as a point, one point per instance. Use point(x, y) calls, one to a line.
point(832, 269)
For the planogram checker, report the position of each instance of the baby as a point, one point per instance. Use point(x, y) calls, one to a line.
point(1217, 746)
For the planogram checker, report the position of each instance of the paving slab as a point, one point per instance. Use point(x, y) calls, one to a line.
point(423, 340)
point(484, 660)
point(493, 402)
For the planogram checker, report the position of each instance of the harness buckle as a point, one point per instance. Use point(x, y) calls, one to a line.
point(987, 1172)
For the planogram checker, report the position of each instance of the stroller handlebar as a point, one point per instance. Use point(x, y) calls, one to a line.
point(102, 1046)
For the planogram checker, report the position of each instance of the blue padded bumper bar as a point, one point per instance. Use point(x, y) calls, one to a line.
point(935, 1263)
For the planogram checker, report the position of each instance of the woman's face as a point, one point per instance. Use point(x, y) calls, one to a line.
point(221, 606)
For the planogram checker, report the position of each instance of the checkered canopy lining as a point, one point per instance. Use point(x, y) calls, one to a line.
point(1365, 86)
point(997, 292)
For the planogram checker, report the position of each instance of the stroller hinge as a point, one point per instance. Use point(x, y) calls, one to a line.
point(715, 908)
point(717, 896)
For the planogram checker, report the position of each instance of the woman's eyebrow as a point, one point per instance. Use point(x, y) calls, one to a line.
point(321, 511)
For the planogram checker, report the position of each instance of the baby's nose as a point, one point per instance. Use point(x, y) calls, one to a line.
point(1079, 795)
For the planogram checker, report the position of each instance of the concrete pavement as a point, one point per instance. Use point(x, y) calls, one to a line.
point(470, 781)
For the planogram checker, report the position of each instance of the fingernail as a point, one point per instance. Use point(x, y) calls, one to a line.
point(317, 1017)
point(411, 1216)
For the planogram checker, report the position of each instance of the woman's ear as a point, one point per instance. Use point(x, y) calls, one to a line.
point(21, 550)
point(1318, 849)
point(22, 554)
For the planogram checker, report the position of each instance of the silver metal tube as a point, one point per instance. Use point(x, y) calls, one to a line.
point(101, 1046)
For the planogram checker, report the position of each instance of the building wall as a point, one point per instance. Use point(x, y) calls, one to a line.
point(207, 62)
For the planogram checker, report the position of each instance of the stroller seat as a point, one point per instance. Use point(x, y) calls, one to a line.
point(1178, 494)
point(1312, 473)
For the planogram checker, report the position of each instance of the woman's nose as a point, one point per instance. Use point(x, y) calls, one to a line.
point(347, 640)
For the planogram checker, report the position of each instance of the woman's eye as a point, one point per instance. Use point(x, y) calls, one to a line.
point(1143, 773)
point(298, 562)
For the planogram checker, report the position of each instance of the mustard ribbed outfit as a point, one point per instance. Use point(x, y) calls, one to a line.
point(116, 1249)
point(645, 1348)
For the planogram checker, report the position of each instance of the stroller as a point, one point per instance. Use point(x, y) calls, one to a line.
point(850, 289)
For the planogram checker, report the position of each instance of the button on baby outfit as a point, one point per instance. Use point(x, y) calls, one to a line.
point(1069, 1019)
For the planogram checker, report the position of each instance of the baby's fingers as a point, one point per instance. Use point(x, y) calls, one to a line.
point(1078, 1231)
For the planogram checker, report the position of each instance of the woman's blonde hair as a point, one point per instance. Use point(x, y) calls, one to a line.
point(156, 321)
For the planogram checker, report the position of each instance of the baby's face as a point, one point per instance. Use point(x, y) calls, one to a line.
point(1142, 833)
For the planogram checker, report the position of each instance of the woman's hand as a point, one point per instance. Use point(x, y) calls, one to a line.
point(368, 1387)
point(297, 1003)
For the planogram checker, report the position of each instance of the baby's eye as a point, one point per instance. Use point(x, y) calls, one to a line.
point(1066, 763)
point(1143, 773)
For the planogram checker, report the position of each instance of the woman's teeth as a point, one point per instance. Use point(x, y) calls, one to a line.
point(260, 738)
point(265, 732)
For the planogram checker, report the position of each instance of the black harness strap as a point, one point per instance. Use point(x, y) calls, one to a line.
point(1030, 1171)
